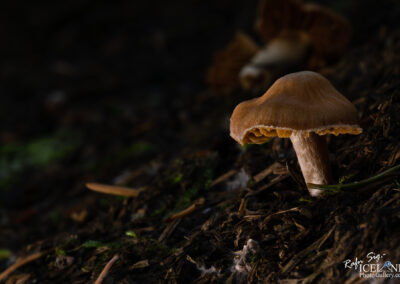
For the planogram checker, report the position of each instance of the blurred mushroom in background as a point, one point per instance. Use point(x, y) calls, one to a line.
point(282, 54)
point(297, 35)
point(222, 76)
point(325, 32)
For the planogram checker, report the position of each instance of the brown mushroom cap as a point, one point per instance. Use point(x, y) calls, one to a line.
point(303, 101)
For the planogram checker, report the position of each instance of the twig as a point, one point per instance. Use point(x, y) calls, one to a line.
point(294, 209)
point(276, 180)
point(266, 172)
point(357, 184)
point(185, 212)
point(145, 229)
point(115, 190)
point(106, 269)
point(169, 229)
point(140, 264)
point(242, 206)
point(301, 255)
point(19, 263)
point(223, 177)
point(181, 214)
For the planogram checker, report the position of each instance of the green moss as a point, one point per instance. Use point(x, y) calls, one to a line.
point(47, 150)
point(155, 247)
point(139, 148)
point(158, 212)
point(305, 200)
point(132, 234)
point(332, 191)
point(109, 201)
point(186, 198)
point(173, 250)
point(59, 251)
point(194, 177)
point(104, 258)
point(208, 178)
point(254, 259)
point(251, 183)
point(177, 179)
point(98, 244)
point(93, 244)
point(119, 199)
point(55, 217)
point(344, 179)
point(223, 205)
point(4, 254)
point(104, 202)
point(35, 154)
point(244, 147)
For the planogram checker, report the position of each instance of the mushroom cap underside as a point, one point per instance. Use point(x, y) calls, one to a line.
point(303, 101)
point(261, 133)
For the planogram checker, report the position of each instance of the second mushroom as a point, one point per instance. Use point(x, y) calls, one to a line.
point(302, 106)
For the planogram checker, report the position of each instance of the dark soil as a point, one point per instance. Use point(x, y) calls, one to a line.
point(114, 92)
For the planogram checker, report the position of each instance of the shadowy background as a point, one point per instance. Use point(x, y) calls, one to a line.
point(91, 89)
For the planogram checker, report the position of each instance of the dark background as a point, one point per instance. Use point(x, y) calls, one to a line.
point(98, 50)
point(91, 89)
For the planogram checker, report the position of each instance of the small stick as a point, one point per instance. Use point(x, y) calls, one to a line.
point(181, 214)
point(169, 229)
point(242, 206)
point(19, 263)
point(112, 189)
point(223, 177)
point(106, 269)
point(276, 180)
point(266, 172)
point(140, 264)
point(294, 209)
point(185, 212)
point(356, 184)
point(145, 229)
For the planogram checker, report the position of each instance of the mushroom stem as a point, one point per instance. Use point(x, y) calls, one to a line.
point(312, 154)
point(288, 50)
point(281, 53)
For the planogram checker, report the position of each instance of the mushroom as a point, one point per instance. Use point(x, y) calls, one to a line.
point(279, 55)
point(302, 106)
point(328, 33)
point(222, 76)
point(296, 33)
